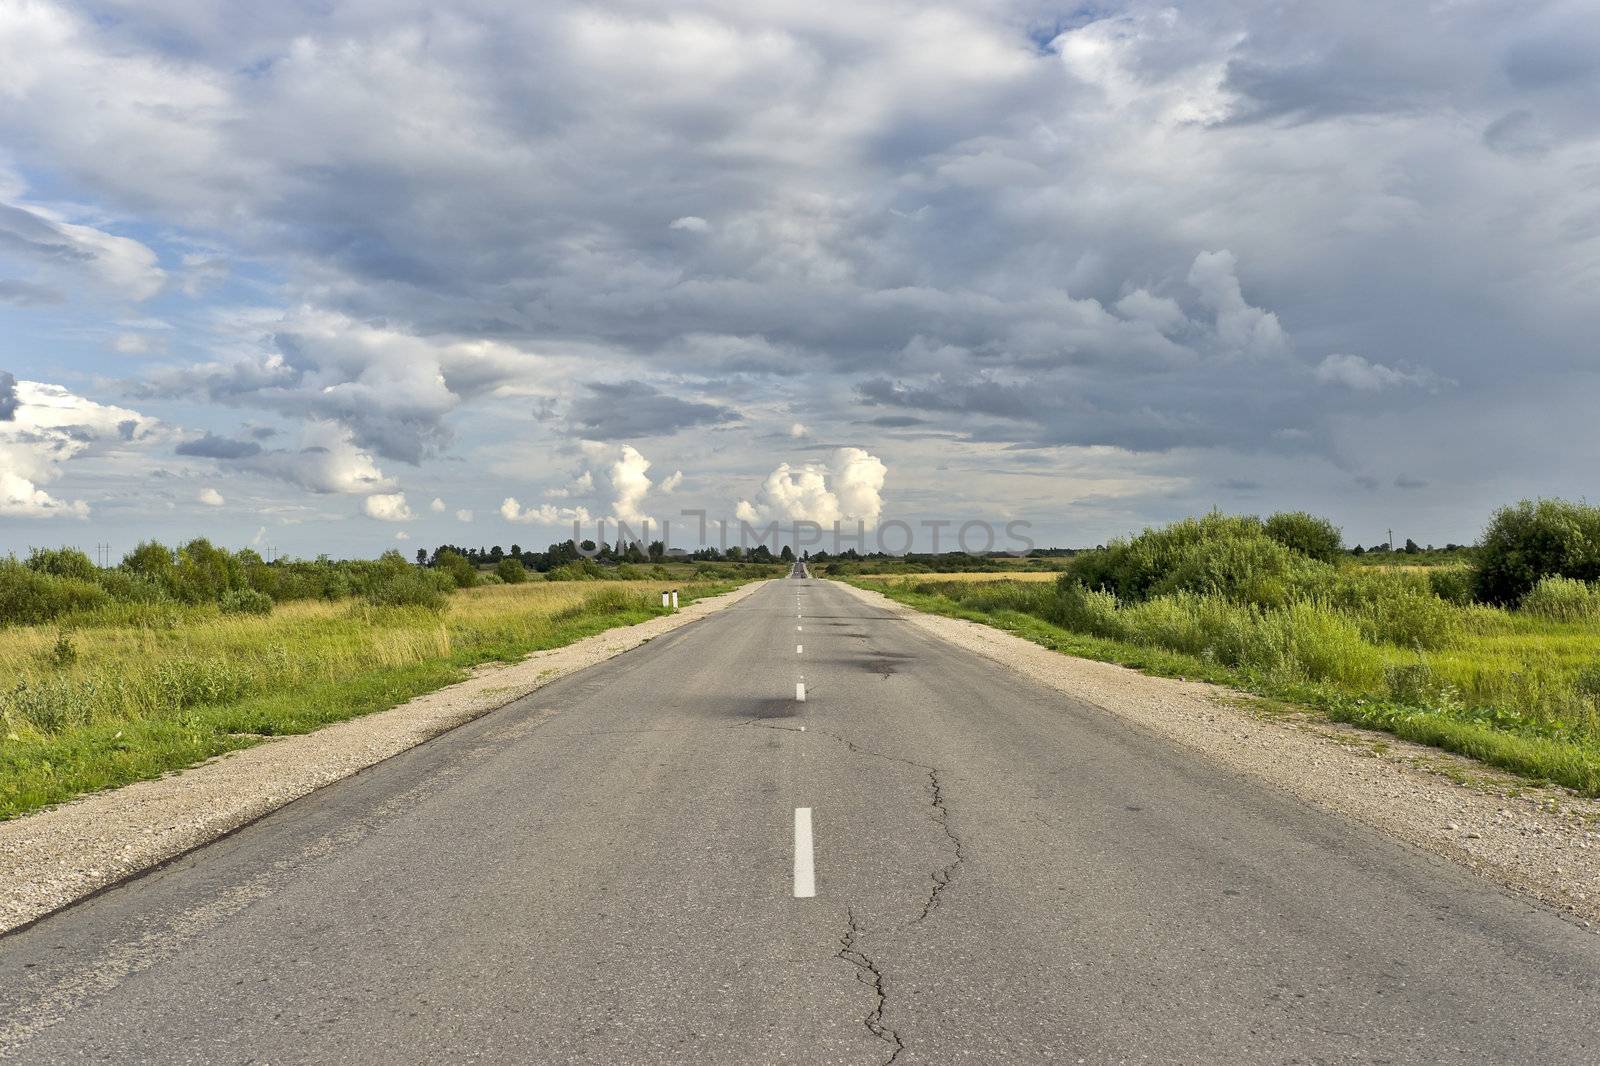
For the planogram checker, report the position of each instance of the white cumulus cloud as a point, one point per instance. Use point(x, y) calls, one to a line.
point(848, 488)
point(42, 428)
point(387, 507)
point(543, 515)
point(211, 497)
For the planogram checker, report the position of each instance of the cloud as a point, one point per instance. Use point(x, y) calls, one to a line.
point(326, 461)
point(582, 485)
point(463, 515)
point(615, 478)
point(848, 488)
point(630, 484)
point(544, 515)
point(798, 430)
point(28, 294)
point(45, 427)
point(211, 446)
point(437, 506)
point(1361, 375)
point(1241, 329)
point(211, 497)
point(402, 535)
point(387, 507)
point(1010, 232)
point(68, 251)
point(635, 409)
point(393, 392)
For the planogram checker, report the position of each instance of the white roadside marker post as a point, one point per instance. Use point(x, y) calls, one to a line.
point(664, 599)
point(674, 599)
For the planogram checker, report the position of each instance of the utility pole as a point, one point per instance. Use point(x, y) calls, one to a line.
point(1391, 540)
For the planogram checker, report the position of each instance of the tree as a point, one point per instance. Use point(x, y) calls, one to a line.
point(1536, 539)
point(1412, 548)
point(152, 559)
point(422, 556)
point(457, 566)
point(62, 562)
point(1307, 534)
point(510, 570)
point(787, 555)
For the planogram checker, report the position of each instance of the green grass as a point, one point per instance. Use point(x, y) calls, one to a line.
point(99, 707)
point(1511, 690)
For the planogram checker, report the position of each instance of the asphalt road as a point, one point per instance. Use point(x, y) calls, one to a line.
point(606, 872)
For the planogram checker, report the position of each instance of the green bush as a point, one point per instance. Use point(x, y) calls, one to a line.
point(1452, 584)
point(608, 601)
point(428, 589)
point(1307, 534)
point(28, 597)
point(1131, 569)
point(1241, 568)
point(460, 571)
point(204, 572)
point(1563, 599)
point(578, 570)
point(62, 653)
point(1085, 610)
point(511, 571)
point(1533, 540)
point(62, 562)
point(152, 560)
point(245, 601)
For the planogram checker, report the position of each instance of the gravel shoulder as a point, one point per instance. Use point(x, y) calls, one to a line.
point(60, 855)
point(1542, 842)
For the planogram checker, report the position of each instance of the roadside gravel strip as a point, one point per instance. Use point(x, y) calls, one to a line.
point(1544, 842)
point(60, 855)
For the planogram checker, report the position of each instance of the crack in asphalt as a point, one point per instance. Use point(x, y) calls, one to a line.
point(941, 878)
point(941, 813)
point(867, 973)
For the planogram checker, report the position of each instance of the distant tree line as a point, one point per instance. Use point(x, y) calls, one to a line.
point(603, 554)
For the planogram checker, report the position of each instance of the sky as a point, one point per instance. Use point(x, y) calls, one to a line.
point(336, 276)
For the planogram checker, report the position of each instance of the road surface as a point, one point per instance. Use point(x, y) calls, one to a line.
point(608, 872)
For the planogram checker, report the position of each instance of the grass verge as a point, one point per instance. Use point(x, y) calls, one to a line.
point(97, 708)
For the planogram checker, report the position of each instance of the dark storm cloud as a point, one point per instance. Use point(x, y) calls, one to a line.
point(212, 446)
point(634, 409)
point(1144, 225)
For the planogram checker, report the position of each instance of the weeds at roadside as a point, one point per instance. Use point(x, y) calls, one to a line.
point(130, 702)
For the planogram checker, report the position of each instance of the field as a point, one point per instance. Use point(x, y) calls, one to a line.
point(879, 580)
point(1517, 689)
point(106, 704)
